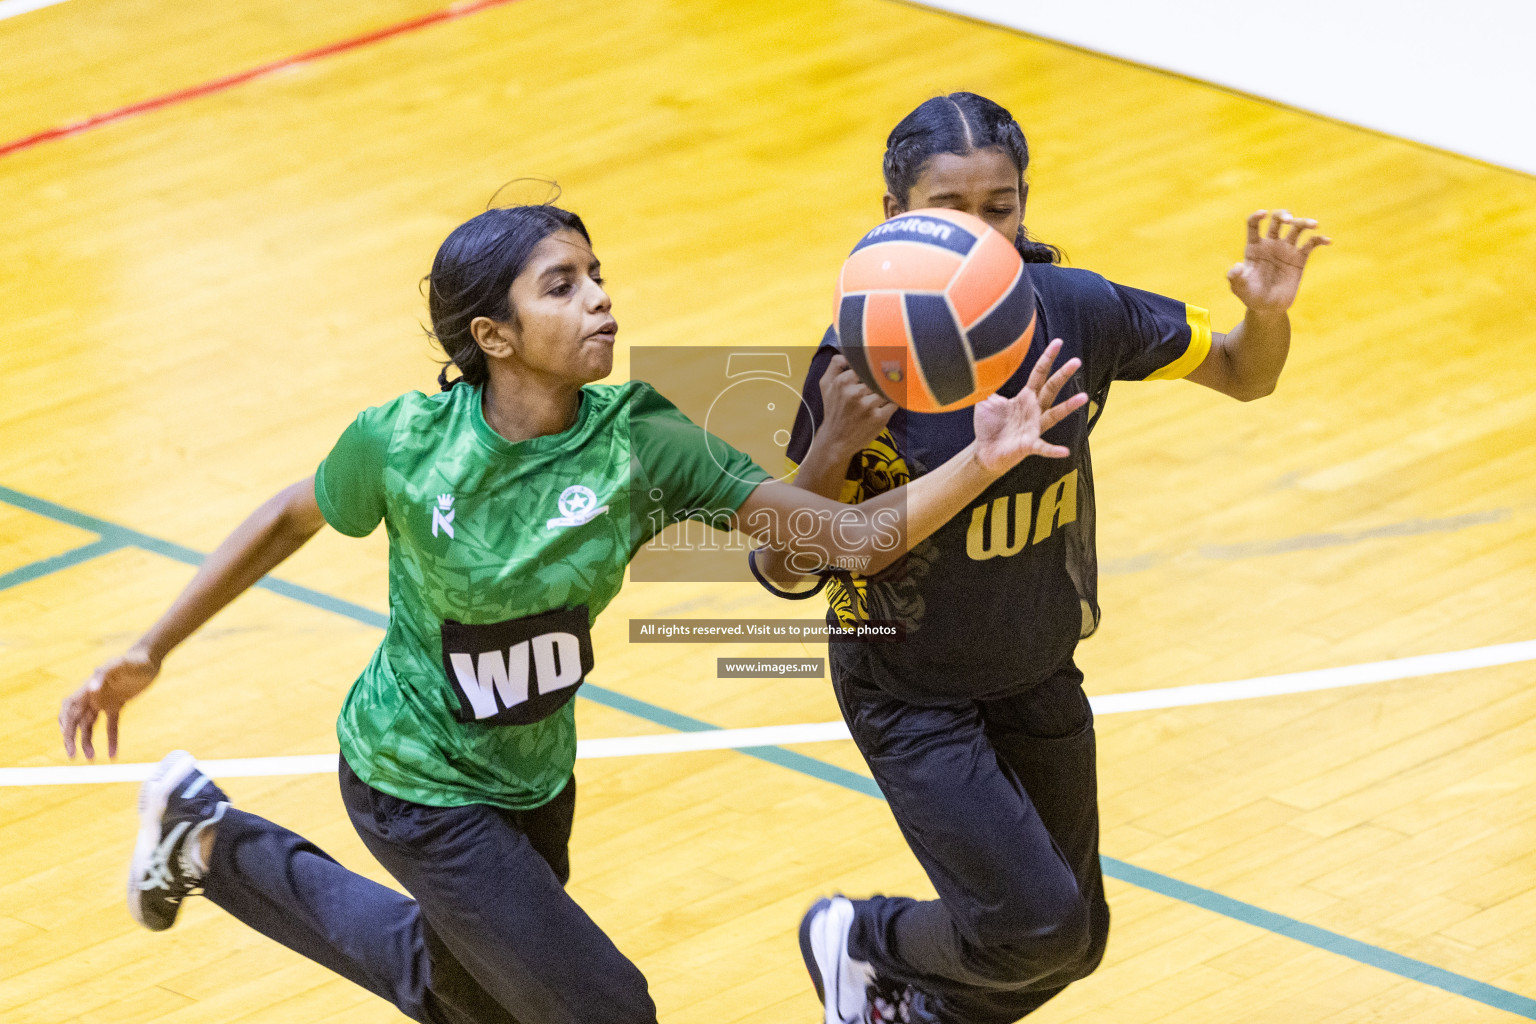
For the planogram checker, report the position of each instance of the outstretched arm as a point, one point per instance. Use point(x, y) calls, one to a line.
point(1245, 363)
point(853, 417)
point(273, 532)
point(871, 535)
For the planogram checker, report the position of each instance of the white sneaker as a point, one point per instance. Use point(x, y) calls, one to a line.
point(842, 983)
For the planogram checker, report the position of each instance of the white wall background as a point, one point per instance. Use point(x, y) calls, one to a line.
point(1459, 75)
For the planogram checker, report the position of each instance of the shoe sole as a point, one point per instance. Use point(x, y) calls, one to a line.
point(823, 942)
point(153, 796)
point(808, 952)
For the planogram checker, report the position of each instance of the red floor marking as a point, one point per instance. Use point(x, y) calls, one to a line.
point(449, 13)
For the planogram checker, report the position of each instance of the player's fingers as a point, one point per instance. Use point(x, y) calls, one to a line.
point(1314, 242)
point(87, 725)
point(846, 394)
point(850, 389)
point(1053, 388)
point(1058, 381)
point(1061, 410)
point(1280, 217)
point(67, 727)
point(112, 717)
point(853, 375)
point(1050, 451)
point(1042, 371)
point(1069, 405)
point(1037, 375)
point(1299, 225)
point(874, 406)
point(1254, 220)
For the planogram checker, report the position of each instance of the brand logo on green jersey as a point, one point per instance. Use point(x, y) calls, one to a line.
point(442, 515)
point(578, 505)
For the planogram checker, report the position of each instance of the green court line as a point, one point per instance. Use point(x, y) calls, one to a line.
point(48, 566)
point(1322, 938)
point(114, 536)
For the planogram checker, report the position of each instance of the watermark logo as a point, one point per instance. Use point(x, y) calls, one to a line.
point(754, 412)
point(755, 402)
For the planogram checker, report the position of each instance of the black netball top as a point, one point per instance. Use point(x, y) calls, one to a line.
point(997, 598)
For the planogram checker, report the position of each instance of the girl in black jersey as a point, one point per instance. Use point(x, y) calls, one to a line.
point(976, 726)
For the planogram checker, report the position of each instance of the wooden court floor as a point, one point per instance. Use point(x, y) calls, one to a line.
point(195, 301)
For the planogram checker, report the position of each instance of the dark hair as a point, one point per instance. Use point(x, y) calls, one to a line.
point(472, 276)
point(960, 123)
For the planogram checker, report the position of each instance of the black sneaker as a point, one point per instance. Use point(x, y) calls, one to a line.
point(175, 804)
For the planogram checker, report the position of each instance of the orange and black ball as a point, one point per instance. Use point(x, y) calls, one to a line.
point(935, 310)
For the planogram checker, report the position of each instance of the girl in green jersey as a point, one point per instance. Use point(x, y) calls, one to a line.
point(512, 500)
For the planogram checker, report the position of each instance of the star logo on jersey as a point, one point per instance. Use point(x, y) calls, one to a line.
point(578, 505)
point(442, 516)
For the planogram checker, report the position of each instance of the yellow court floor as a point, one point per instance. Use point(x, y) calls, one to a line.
point(196, 300)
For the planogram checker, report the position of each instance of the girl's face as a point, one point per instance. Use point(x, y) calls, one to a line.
point(561, 326)
point(983, 183)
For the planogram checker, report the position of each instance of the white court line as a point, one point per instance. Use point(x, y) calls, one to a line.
point(11, 8)
point(316, 764)
point(822, 732)
point(1319, 679)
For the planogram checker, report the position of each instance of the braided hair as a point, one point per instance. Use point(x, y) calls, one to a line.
point(960, 123)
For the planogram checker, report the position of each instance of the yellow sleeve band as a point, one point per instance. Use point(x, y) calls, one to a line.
point(1199, 346)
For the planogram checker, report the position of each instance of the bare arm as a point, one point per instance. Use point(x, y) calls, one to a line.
point(852, 417)
point(871, 535)
point(1245, 363)
point(274, 531)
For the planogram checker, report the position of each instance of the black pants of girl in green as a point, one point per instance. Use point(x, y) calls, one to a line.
point(490, 938)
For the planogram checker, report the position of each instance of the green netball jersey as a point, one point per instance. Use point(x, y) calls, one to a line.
point(500, 557)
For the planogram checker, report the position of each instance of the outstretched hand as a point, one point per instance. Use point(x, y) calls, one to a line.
point(1008, 429)
point(109, 688)
point(1270, 275)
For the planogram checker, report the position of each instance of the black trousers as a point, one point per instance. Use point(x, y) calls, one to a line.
point(490, 938)
point(999, 801)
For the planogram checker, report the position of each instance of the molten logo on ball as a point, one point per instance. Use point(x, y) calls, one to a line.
point(942, 303)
